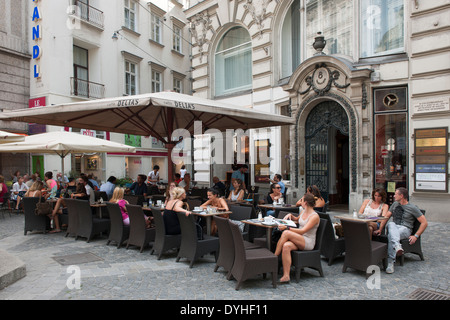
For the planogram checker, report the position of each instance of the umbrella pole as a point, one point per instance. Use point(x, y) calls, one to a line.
point(170, 145)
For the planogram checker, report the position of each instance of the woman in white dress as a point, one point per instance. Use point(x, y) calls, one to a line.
point(374, 207)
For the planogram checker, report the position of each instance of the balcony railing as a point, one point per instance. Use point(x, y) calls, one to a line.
point(89, 14)
point(86, 89)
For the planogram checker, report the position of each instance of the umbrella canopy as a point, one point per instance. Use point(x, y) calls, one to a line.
point(7, 137)
point(154, 114)
point(63, 143)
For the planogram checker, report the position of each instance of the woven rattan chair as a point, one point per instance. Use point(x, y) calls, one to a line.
point(72, 212)
point(163, 241)
point(88, 225)
point(118, 231)
point(249, 263)
point(241, 213)
point(415, 248)
point(32, 221)
point(191, 248)
point(310, 258)
point(360, 250)
point(331, 247)
point(139, 236)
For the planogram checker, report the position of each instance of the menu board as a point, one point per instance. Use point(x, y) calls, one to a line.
point(431, 159)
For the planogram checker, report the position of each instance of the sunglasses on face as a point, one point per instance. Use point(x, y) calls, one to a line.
point(277, 188)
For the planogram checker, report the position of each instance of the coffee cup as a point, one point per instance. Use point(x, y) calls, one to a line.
point(197, 208)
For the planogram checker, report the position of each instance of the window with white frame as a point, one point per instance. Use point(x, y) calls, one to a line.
point(177, 36)
point(156, 81)
point(233, 62)
point(156, 34)
point(381, 27)
point(130, 78)
point(130, 14)
point(177, 85)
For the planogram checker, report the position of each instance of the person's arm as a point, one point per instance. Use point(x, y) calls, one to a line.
point(423, 225)
point(207, 203)
point(314, 220)
point(179, 208)
point(223, 204)
point(241, 195)
point(363, 206)
point(387, 214)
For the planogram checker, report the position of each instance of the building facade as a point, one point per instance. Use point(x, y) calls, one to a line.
point(367, 82)
point(92, 49)
point(14, 75)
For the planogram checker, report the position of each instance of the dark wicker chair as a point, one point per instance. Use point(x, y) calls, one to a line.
point(226, 249)
point(163, 241)
point(88, 225)
point(241, 213)
point(192, 203)
point(32, 221)
point(72, 212)
point(331, 247)
point(310, 258)
point(100, 194)
point(323, 209)
point(118, 231)
point(191, 248)
point(249, 263)
point(415, 248)
point(360, 250)
point(139, 236)
point(136, 200)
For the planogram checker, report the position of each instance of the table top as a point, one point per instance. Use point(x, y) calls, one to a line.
point(276, 206)
point(350, 217)
point(204, 214)
point(259, 223)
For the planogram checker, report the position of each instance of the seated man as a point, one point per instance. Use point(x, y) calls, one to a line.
point(404, 215)
point(139, 187)
point(217, 184)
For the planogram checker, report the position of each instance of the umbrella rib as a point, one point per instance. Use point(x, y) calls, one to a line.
point(193, 119)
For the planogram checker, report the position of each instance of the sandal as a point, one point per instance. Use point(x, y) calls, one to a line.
point(55, 231)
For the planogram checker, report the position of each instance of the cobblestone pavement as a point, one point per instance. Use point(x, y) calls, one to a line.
point(122, 274)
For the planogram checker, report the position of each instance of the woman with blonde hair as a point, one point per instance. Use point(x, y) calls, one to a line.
point(174, 205)
point(117, 197)
point(35, 189)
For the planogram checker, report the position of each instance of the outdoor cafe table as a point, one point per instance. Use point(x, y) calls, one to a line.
point(208, 217)
point(269, 227)
point(351, 218)
point(98, 207)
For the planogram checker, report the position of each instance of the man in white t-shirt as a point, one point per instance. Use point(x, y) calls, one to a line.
point(153, 176)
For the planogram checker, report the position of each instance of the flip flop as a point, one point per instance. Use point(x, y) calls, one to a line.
point(55, 231)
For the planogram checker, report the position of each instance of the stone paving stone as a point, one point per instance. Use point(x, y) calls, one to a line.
point(130, 275)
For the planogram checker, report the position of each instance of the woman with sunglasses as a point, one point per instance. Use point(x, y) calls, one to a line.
point(274, 195)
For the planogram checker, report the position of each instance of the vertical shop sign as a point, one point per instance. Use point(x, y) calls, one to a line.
point(36, 32)
point(431, 159)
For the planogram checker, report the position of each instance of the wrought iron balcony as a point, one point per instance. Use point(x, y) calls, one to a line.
point(89, 14)
point(86, 89)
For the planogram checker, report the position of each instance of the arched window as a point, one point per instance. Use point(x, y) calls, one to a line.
point(233, 62)
point(290, 38)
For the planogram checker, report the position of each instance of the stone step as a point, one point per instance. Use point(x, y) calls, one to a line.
point(11, 269)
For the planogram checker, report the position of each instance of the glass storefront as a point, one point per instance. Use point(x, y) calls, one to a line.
point(391, 136)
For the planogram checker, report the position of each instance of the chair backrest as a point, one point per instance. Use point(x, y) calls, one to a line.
point(132, 199)
point(115, 214)
point(240, 212)
point(319, 234)
point(29, 205)
point(225, 240)
point(137, 219)
point(84, 212)
point(73, 215)
point(188, 228)
point(282, 214)
point(100, 194)
point(192, 203)
point(416, 225)
point(159, 223)
point(238, 240)
point(357, 238)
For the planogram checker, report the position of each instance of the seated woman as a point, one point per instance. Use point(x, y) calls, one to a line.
point(117, 197)
point(51, 185)
point(301, 238)
point(274, 195)
point(172, 185)
point(174, 205)
point(375, 207)
point(320, 202)
point(238, 192)
point(35, 190)
point(215, 201)
point(80, 193)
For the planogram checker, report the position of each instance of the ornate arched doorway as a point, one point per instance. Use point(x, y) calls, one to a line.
point(327, 151)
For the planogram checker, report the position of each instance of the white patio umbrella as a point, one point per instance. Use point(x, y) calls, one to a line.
point(7, 137)
point(151, 114)
point(62, 143)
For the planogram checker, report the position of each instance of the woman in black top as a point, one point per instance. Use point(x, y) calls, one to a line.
point(174, 205)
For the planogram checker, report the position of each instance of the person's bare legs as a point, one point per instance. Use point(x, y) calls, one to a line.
point(289, 241)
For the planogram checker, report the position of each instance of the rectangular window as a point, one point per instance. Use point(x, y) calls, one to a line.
point(391, 140)
point(130, 14)
point(130, 78)
point(156, 28)
point(382, 27)
point(176, 39)
point(177, 85)
point(80, 72)
point(156, 81)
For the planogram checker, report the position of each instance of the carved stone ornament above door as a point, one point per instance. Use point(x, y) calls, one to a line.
point(321, 79)
point(199, 26)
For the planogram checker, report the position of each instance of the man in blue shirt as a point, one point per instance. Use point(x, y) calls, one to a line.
point(239, 174)
point(139, 187)
point(109, 186)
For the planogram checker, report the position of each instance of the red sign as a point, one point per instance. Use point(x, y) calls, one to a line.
point(37, 102)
